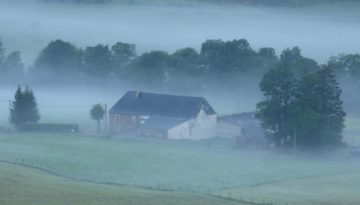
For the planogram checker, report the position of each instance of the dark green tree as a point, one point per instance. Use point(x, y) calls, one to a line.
point(98, 62)
point(264, 60)
point(97, 113)
point(122, 55)
point(333, 115)
point(346, 65)
point(59, 60)
point(13, 65)
point(24, 108)
point(299, 65)
point(226, 57)
point(319, 115)
point(278, 86)
point(307, 113)
point(185, 61)
point(302, 112)
point(150, 68)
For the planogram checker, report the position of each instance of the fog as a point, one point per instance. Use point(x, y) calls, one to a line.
point(319, 31)
point(216, 168)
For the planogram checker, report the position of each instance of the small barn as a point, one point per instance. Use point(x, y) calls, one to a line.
point(244, 128)
point(163, 116)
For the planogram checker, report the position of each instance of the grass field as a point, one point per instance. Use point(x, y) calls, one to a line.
point(212, 166)
point(20, 185)
point(342, 189)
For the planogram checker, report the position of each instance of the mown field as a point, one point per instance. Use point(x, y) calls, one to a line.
point(207, 167)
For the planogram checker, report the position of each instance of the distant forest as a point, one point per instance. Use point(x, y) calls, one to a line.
point(218, 64)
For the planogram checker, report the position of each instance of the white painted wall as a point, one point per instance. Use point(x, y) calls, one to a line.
point(204, 126)
point(181, 131)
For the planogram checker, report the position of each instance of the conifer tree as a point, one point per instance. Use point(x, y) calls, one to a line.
point(332, 113)
point(24, 108)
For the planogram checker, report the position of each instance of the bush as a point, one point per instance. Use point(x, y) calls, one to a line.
point(56, 128)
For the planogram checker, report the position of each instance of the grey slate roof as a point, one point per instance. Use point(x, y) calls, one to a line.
point(152, 104)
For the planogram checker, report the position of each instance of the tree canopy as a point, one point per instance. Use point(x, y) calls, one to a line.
point(306, 111)
point(59, 59)
point(97, 113)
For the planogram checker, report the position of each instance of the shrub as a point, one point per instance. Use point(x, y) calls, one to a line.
point(47, 127)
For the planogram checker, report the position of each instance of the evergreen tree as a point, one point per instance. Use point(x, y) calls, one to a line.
point(307, 113)
point(332, 114)
point(24, 109)
point(318, 116)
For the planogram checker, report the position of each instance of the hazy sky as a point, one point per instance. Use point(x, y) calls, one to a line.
point(29, 27)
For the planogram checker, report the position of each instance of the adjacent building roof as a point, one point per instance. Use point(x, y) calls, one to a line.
point(152, 104)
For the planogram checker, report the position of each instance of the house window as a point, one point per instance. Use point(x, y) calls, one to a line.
point(143, 118)
point(117, 118)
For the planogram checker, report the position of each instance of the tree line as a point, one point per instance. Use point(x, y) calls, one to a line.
point(223, 62)
point(63, 62)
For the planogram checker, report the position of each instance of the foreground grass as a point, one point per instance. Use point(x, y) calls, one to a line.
point(342, 189)
point(20, 185)
point(158, 163)
point(211, 166)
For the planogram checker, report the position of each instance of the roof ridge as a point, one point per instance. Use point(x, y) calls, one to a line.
point(166, 94)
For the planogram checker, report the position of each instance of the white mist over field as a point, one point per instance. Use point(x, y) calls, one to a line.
point(236, 168)
point(320, 32)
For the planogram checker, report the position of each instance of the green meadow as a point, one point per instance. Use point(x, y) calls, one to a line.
point(21, 185)
point(59, 165)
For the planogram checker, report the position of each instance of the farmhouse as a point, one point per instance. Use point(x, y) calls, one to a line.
point(164, 116)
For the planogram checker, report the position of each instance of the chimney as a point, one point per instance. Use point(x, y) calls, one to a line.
point(137, 93)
